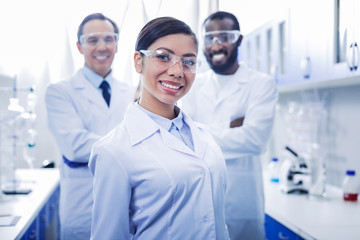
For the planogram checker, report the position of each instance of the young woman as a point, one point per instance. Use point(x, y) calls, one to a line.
point(159, 175)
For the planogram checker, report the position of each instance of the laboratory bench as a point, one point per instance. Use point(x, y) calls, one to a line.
point(307, 217)
point(37, 211)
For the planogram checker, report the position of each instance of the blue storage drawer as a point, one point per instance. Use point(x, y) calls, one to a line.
point(275, 230)
point(54, 205)
point(43, 219)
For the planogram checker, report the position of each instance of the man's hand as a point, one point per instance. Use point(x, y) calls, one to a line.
point(237, 122)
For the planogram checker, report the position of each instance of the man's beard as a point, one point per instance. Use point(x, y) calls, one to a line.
point(221, 69)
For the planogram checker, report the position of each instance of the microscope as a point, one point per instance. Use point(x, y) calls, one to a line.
point(294, 175)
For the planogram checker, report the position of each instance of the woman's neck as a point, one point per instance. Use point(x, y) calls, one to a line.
point(161, 109)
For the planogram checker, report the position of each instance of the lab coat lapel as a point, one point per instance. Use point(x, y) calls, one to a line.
point(87, 90)
point(117, 96)
point(172, 142)
point(200, 144)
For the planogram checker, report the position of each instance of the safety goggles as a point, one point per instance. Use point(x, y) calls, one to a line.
point(93, 39)
point(222, 37)
point(166, 60)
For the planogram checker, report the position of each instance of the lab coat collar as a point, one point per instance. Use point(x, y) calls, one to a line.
point(140, 126)
point(200, 139)
point(87, 89)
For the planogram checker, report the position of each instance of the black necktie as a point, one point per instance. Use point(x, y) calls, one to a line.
point(105, 91)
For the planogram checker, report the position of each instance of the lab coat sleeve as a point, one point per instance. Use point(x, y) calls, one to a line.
point(111, 191)
point(251, 137)
point(73, 139)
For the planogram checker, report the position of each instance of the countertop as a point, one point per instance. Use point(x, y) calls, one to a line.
point(43, 182)
point(314, 217)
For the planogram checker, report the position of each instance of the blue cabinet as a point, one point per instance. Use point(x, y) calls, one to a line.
point(275, 230)
point(32, 232)
point(42, 218)
point(53, 223)
point(46, 225)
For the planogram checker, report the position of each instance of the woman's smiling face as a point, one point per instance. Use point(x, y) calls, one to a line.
point(163, 86)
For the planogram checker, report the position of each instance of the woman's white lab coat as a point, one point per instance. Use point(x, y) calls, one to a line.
point(150, 184)
point(78, 116)
point(248, 94)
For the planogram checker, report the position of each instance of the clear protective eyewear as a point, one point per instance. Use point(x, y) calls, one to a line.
point(222, 37)
point(93, 39)
point(166, 60)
